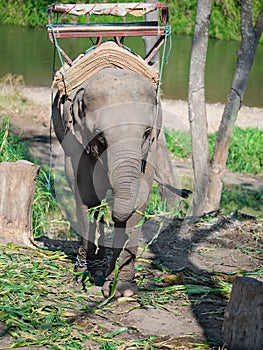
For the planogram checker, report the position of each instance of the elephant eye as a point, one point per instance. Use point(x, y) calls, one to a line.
point(146, 134)
point(101, 138)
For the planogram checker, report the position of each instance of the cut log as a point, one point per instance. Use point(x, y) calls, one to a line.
point(17, 188)
point(243, 322)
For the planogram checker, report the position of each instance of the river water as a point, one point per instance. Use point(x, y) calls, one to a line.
point(29, 52)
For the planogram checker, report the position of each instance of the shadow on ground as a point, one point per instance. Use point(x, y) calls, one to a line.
point(206, 255)
point(184, 277)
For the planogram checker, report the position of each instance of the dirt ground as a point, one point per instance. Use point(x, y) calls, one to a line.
point(198, 254)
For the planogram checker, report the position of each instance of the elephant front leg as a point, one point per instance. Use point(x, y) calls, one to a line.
point(91, 254)
point(124, 254)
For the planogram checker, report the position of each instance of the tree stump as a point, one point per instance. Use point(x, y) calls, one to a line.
point(243, 322)
point(17, 187)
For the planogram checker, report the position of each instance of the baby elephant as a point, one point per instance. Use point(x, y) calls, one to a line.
point(109, 134)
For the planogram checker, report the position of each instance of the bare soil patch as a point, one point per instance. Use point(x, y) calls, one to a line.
point(200, 257)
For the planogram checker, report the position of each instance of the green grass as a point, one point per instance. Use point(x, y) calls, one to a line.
point(47, 216)
point(178, 143)
point(158, 208)
point(10, 97)
point(245, 156)
point(11, 147)
point(35, 306)
point(248, 201)
point(245, 151)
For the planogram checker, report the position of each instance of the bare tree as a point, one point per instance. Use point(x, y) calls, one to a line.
point(208, 178)
point(250, 38)
point(196, 106)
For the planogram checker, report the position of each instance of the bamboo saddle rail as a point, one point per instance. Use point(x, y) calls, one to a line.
point(115, 30)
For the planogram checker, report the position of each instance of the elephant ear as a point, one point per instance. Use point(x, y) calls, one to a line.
point(58, 122)
point(67, 115)
point(77, 112)
point(77, 106)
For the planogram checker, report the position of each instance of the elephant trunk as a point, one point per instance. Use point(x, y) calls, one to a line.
point(124, 170)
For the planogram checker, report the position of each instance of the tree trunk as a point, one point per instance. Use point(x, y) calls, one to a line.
point(196, 106)
point(246, 54)
point(243, 326)
point(17, 181)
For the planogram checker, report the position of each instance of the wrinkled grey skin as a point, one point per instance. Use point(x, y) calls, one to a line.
point(109, 134)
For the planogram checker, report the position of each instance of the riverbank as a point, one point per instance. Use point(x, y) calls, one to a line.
point(176, 116)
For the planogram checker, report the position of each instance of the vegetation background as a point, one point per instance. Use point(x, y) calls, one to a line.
point(225, 19)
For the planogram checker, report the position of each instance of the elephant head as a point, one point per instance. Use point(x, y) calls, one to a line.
point(119, 125)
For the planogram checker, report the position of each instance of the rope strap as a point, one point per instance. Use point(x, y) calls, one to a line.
point(61, 59)
point(164, 59)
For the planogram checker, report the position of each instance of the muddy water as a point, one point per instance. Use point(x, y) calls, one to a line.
point(29, 52)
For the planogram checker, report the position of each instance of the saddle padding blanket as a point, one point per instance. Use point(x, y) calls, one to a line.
point(109, 54)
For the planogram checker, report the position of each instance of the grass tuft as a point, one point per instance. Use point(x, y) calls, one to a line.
point(245, 200)
point(47, 216)
point(245, 151)
point(11, 146)
point(10, 97)
point(178, 143)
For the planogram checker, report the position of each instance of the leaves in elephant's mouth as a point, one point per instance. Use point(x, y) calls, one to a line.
point(103, 210)
point(154, 209)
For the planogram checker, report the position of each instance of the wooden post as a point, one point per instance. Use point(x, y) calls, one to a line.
point(17, 187)
point(243, 323)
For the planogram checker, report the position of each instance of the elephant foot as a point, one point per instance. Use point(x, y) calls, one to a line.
point(96, 268)
point(124, 288)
